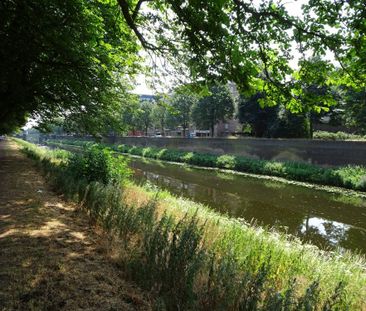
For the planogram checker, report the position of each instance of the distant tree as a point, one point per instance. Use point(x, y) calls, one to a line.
point(260, 119)
point(159, 114)
point(272, 121)
point(354, 113)
point(218, 106)
point(143, 117)
point(290, 125)
point(181, 109)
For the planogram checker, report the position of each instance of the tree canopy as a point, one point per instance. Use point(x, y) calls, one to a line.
point(218, 106)
point(74, 60)
point(64, 58)
point(252, 43)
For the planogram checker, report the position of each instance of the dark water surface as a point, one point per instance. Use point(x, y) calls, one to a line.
point(325, 219)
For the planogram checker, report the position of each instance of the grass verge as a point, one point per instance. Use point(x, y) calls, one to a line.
point(192, 258)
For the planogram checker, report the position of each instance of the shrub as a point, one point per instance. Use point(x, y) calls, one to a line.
point(226, 161)
point(99, 164)
point(337, 136)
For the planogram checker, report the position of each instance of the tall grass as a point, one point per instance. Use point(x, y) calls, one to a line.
point(191, 258)
point(350, 177)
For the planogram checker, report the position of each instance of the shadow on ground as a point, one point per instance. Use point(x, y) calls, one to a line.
point(50, 257)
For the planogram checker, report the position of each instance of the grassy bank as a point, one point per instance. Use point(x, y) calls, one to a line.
point(349, 177)
point(191, 258)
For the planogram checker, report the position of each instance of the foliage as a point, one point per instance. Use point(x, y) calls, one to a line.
point(191, 258)
point(211, 109)
point(65, 59)
point(96, 163)
point(291, 125)
point(160, 114)
point(272, 121)
point(259, 118)
point(337, 136)
point(144, 115)
point(181, 109)
point(354, 112)
point(139, 116)
point(252, 44)
point(351, 177)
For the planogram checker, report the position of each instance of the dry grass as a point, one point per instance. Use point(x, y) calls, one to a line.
point(51, 258)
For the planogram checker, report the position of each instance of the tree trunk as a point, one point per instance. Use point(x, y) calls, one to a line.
point(212, 130)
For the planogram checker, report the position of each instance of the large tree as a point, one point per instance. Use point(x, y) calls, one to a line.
point(252, 43)
point(64, 58)
point(210, 109)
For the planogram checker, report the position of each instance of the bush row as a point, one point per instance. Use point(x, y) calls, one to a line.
point(324, 135)
point(350, 177)
point(190, 258)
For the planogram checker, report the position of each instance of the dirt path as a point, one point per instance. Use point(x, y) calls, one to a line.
point(50, 258)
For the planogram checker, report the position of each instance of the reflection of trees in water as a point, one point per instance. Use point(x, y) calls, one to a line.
point(324, 232)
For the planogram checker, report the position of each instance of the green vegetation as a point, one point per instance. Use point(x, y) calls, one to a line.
point(274, 121)
point(337, 136)
point(65, 60)
point(252, 45)
point(350, 177)
point(98, 164)
point(217, 106)
point(191, 258)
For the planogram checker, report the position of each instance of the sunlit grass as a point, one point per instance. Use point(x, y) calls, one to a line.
point(194, 258)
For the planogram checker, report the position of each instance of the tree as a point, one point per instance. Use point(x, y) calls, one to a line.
point(290, 125)
point(160, 114)
point(250, 43)
point(259, 118)
point(181, 108)
point(355, 110)
point(218, 106)
point(68, 59)
point(143, 117)
point(273, 121)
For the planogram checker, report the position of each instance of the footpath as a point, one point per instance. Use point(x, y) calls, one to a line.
point(51, 258)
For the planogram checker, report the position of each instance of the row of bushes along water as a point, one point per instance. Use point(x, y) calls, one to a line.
point(350, 177)
point(191, 258)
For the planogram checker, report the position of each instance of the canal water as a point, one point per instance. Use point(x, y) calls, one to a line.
point(326, 219)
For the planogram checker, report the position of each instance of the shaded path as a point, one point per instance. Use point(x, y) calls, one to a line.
point(50, 258)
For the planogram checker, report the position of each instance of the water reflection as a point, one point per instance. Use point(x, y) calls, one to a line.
point(327, 220)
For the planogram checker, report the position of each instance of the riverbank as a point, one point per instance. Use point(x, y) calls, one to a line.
point(191, 255)
point(349, 177)
point(50, 256)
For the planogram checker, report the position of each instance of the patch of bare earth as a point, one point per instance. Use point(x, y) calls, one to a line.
point(50, 257)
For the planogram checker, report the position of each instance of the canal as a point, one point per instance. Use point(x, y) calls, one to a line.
point(326, 219)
